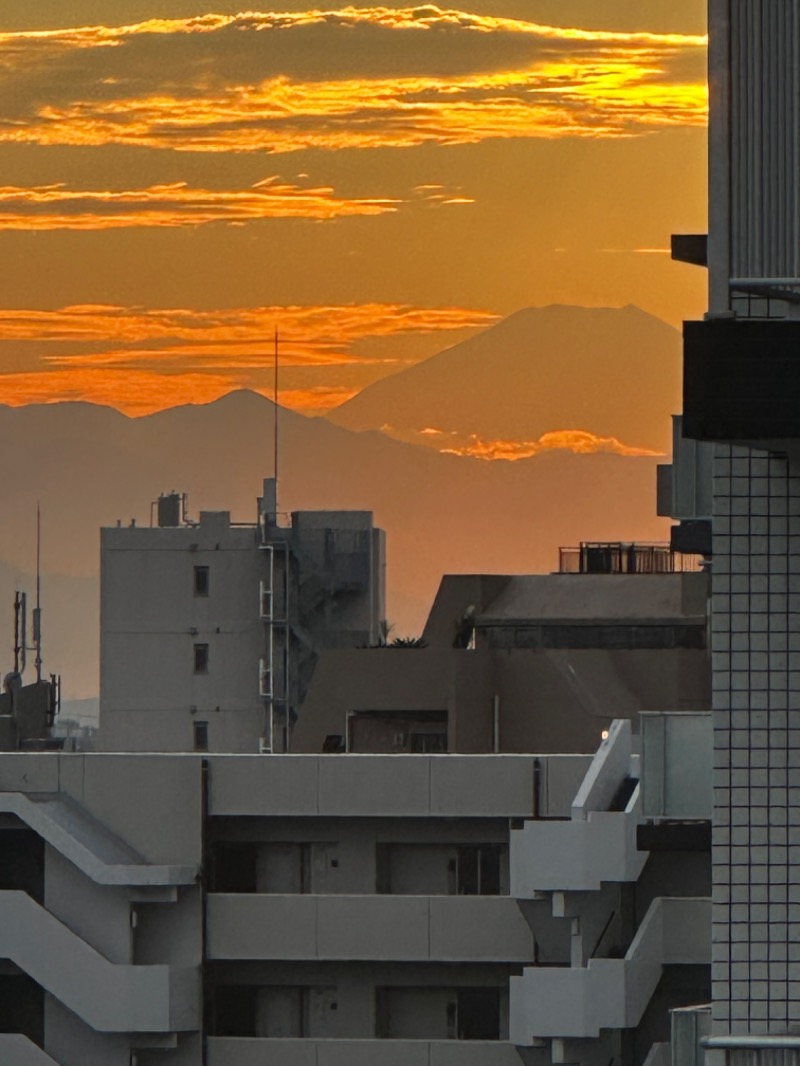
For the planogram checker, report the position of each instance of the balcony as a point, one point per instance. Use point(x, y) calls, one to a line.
point(598, 842)
point(374, 928)
point(448, 786)
point(624, 558)
point(233, 1051)
point(610, 993)
point(577, 856)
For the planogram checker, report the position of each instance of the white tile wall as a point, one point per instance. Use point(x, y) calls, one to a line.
point(756, 692)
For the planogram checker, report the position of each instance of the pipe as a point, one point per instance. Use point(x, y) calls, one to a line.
point(734, 1042)
point(496, 724)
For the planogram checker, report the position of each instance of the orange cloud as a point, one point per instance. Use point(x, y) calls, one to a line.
point(141, 360)
point(308, 333)
point(139, 392)
point(48, 207)
point(397, 78)
point(133, 392)
point(578, 441)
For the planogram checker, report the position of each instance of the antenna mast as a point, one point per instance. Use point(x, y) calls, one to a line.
point(37, 611)
point(275, 416)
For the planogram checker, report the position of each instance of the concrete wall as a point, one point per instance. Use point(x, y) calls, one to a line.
point(232, 1052)
point(396, 928)
point(396, 785)
point(151, 619)
point(553, 700)
point(677, 759)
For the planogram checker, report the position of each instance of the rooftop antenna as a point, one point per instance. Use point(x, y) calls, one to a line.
point(20, 632)
point(275, 417)
point(37, 611)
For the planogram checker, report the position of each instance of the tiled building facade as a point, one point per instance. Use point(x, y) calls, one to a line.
point(741, 389)
point(756, 657)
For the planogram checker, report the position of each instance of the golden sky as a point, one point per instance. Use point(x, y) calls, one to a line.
point(374, 181)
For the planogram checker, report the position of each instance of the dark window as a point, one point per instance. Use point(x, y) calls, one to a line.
point(201, 658)
point(479, 870)
point(397, 732)
point(201, 736)
point(201, 581)
point(478, 1014)
point(233, 867)
point(611, 636)
point(383, 868)
point(233, 1010)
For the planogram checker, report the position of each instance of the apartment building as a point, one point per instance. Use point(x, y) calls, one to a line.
point(211, 629)
point(352, 910)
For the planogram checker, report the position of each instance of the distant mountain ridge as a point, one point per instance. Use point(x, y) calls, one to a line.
point(613, 373)
point(90, 466)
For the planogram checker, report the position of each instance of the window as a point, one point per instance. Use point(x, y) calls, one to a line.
point(397, 732)
point(201, 658)
point(201, 736)
point(478, 1013)
point(201, 581)
point(478, 870)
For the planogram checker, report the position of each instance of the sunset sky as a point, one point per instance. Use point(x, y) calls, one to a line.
point(179, 180)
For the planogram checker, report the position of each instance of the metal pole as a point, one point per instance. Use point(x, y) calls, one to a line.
point(275, 418)
point(37, 614)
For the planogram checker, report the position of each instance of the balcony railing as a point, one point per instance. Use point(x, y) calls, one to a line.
point(618, 557)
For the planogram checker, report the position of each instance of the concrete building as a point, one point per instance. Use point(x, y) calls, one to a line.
point(362, 910)
point(741, 384)
point(210, 630)
point(518, 664)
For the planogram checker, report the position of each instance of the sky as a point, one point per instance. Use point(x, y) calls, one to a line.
point(180, 180)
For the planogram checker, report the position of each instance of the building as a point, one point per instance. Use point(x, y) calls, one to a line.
point(28, 711)
point(353, 910)
point(350, 905)
point(518, 664)
point(210, 630)
point(741, 383)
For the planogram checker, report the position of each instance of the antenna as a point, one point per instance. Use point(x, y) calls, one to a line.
point(275, 417)
point(37, 611)
point(20, 632)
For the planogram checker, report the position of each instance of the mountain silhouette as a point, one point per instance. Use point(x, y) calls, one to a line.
point(90, 466)
point(614, 373)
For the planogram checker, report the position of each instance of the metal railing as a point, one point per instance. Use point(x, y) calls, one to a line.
point(618, 557)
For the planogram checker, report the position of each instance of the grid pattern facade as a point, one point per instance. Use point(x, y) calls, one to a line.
point(756, 677)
